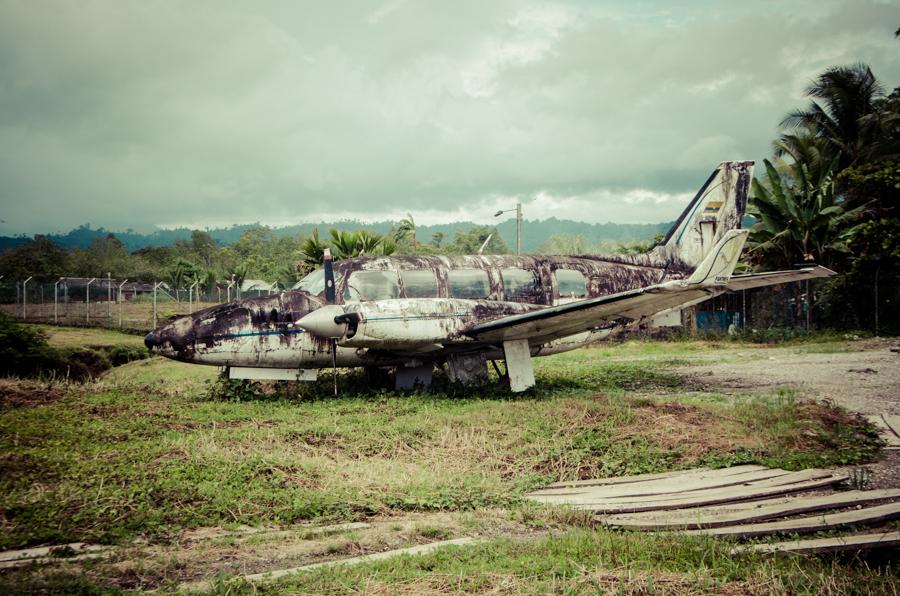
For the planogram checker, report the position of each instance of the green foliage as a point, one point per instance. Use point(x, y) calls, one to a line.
point(225, 389)
point(39, 257)
point(800, 219)
point(877, 183)
point(591, 561)
point(406, 232)
point(467, 242)
point(24, 350)
point(867, 294)
point(848, 113)
point(346, 245)
point(312, 251)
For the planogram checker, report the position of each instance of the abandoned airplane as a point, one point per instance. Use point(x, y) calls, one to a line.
point(415, 312)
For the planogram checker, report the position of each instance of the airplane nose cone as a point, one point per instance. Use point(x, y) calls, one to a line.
point(173, 339)
point(151, 340)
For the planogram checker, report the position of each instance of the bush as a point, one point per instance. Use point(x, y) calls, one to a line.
point(24, 351)
point(78, 364)
point(119, 355)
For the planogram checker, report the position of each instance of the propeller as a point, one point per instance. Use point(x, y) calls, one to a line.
point(330, 321)
point(328, 265)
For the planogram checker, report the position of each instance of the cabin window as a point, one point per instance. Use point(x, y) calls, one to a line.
point(570, 283)
point(519, 283)
point(314, 283)
point(419, 284)
point(372, 285)
point(468, 283)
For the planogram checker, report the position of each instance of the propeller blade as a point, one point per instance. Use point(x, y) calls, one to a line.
point(329, 277)
point(334, 364)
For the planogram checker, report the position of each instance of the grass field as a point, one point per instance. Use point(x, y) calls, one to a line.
point(156, 447)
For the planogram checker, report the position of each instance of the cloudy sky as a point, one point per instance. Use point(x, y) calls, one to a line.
point(207, 113)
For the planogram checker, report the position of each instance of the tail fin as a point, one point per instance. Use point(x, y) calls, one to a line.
point(719, 264)
point(717, 207)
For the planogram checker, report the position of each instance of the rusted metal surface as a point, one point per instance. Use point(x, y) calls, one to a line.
point(263, 332)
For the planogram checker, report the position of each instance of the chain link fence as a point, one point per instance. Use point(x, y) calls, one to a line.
point(106, 302)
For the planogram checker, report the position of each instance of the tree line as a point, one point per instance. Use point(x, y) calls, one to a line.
point(259, 253)
point(830, 194)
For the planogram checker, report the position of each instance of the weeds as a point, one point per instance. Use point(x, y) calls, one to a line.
point(153, 448)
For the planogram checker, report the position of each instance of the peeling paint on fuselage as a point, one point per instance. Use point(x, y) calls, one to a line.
point(262, 332)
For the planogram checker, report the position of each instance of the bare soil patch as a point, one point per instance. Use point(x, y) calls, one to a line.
point(15, 393)
point(865, 378)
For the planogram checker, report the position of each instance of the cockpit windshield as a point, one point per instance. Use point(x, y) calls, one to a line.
point(314, 283)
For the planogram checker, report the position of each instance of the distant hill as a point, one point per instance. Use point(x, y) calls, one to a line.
point(534, 233)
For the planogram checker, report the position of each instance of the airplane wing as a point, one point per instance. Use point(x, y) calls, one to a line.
point(709, 279)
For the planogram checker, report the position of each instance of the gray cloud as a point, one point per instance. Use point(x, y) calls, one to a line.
point(130, 114)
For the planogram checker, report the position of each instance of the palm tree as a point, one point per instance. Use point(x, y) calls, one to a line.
point(801, 218)
point(844, 113)
point(180, 274)
point(386, 247)
point(406, 229)
point(345, 244)
point(239, 274)
point(312, 251)
point(368, 242)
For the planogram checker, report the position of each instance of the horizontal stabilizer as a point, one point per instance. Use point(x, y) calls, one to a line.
point(758, 280)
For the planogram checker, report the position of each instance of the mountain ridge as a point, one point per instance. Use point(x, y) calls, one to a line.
point(534, 232)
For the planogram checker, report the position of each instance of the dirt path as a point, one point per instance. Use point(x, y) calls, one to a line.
point(862, 376)
point(864, 379)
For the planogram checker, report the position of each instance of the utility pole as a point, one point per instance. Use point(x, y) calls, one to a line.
point(518, 228)
point(518, 211)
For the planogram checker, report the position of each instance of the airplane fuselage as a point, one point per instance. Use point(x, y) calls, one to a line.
point(413, 309)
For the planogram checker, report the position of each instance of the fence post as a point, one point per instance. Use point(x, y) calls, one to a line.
point(121, 302)
point(25, 297)
point(108, 297)
point(56, 300)
point(87, 300)
point(191, 296)
point(155, 288)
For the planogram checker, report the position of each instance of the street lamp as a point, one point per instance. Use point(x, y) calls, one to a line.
point(518, 211)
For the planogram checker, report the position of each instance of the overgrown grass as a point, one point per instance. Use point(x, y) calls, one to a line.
point(599, 561)
point(147, 452)
point(78, 337)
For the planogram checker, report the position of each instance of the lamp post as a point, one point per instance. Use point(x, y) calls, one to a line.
point(518, 211)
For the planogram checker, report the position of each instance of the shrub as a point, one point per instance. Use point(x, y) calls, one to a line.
point(24, 351)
